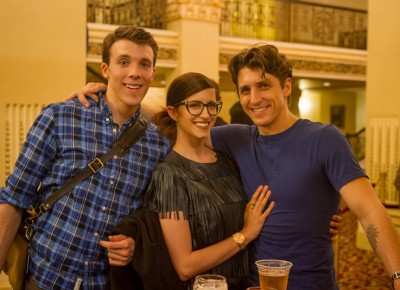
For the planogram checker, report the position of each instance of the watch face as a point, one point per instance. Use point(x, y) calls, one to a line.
point(239, 238)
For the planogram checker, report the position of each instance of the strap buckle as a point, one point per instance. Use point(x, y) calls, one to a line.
point(96, 165)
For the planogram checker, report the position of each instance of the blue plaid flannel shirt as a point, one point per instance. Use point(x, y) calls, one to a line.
point(62, 141)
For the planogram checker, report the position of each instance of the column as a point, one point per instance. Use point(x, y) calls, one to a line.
point(197, 22)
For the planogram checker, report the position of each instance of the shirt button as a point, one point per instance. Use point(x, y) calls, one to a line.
point(86, 263)
point(96, 234)
point(108, 119)
point(115, 156)
point(114, 130)
point(111, 181)
point(103, 208)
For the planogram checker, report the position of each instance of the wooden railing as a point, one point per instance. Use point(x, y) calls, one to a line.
point(277, 20)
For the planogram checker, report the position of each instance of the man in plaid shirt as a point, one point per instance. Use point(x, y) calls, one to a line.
point(71, 246)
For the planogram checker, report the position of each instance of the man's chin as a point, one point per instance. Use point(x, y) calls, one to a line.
point(255, 120)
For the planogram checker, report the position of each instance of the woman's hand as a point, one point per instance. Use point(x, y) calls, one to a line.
point(88, 91)
point(334, 225)
point(256, 213)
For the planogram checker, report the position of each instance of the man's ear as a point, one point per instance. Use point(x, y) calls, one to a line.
point(104, 70)
point(287, 87)
point(154, 74)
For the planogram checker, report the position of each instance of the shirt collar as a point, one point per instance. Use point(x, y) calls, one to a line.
point(106, 109)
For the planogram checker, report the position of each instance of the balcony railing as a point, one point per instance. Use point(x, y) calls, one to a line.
point(143, 13)
point(277, 20)
point(295, 21)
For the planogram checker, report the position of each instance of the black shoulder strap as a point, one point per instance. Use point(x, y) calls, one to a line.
point(119, 147)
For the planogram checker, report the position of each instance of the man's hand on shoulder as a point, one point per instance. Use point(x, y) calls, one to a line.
point(88, 91)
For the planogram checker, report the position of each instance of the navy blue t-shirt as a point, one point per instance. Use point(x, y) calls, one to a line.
point(305, 167)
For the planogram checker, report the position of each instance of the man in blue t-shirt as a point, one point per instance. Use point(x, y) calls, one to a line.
point(308, 166)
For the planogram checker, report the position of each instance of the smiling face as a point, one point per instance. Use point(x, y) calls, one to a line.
point(129, 74)
point(194, 128)
point(265, 100)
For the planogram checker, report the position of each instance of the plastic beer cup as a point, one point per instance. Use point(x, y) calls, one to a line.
point(273, 274)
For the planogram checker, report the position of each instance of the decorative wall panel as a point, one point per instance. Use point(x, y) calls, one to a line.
point(19, 118)
point(328, 26)
point(383, 145)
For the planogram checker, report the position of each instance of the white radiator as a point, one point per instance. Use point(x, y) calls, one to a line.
point(383, 156)
point(19, 118)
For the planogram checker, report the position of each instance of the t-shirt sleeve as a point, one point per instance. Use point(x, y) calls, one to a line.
point(338, 159)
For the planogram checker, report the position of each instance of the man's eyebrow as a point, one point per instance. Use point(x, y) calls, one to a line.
point(128, 56)
point(243, 86)
point(261, 81)
point(122, 56)
point(264, 80)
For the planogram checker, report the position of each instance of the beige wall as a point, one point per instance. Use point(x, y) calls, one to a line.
point(360, 110)
point(383, 90)
point(310, 105)
point(42, 53)
point(198, 47)
point(319, 104)
point(229, 98)
point(344, 98)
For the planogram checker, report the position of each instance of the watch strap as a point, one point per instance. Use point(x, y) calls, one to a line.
point(242, 246)
point(395, 276)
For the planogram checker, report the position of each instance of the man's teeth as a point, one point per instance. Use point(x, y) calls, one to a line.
point(258, 109)
point(132, 86)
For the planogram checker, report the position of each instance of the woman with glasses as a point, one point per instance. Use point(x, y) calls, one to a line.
point(197, 191)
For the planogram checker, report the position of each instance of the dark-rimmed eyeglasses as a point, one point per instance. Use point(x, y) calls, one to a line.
point(195, 108)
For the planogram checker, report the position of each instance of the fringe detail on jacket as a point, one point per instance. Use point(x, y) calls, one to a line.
point(211, 198)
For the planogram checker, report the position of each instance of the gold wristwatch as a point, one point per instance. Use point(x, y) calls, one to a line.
point(239, 240)
point(395, 276)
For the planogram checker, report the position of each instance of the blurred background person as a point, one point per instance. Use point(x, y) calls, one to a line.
point(238, 116)
point(219, 121)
